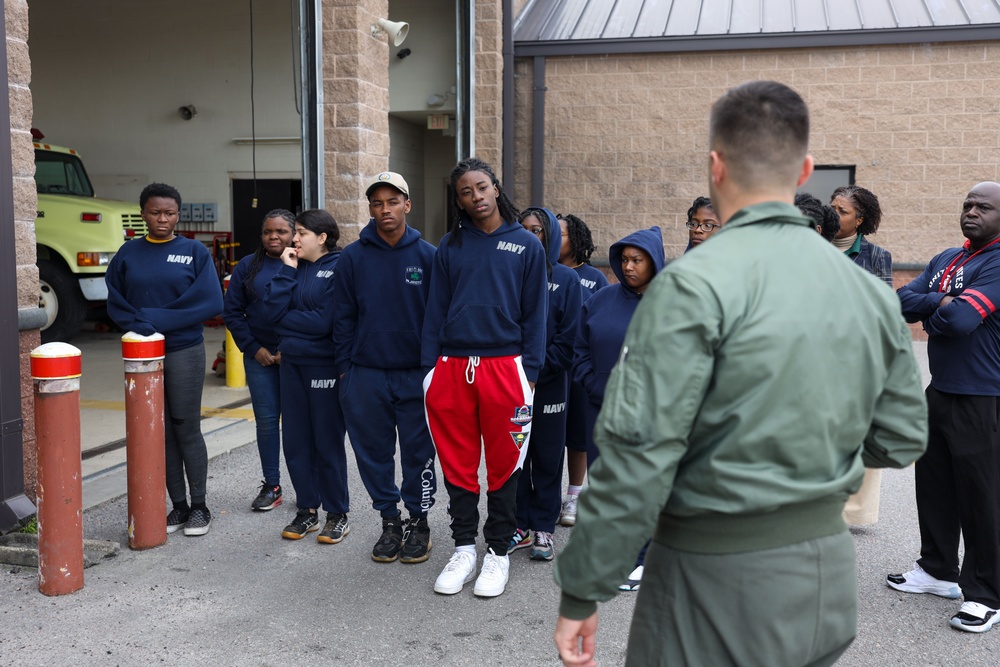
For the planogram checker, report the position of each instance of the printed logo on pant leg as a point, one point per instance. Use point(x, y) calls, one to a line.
point(519, 439)
point(522, 416)
point(322, 384)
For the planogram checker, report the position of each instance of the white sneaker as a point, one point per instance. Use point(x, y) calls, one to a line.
point(634, 580)
point(567, 517)
point(975, 617)
point(493, 577)
point(918, 581)
point(460, 570)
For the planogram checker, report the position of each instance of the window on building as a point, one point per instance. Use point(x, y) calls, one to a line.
point(827, 178)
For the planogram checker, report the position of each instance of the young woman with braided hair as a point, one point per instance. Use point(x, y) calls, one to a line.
point(255, 336)
point(575, 252)
point(483, 345)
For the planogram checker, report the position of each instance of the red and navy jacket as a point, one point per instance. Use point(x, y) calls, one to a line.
point(964, 336)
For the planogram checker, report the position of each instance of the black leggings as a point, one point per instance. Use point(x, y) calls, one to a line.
point(183, 382)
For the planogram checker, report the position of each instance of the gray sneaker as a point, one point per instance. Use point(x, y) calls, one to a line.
point(198, 523)
point(336, 529)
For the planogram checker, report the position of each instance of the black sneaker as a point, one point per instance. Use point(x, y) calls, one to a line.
point(336, 529)
point(268, 498)
point(198, 522)
point(386, 550)
point(176, 519)
point(304, 522)
point(416, 541)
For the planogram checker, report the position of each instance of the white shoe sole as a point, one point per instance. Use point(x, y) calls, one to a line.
point(951, 592)
point(174, 529)
point(958, 625)
point(454, 588)
point(568, 521)
point(491, 592)
point(194, 532)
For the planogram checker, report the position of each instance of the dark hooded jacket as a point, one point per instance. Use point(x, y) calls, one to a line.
point(607, 314)
point(565, 301)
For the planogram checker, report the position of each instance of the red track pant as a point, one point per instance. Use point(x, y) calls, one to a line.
point(477, 404)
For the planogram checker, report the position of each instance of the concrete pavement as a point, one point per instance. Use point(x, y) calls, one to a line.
point(241, 595)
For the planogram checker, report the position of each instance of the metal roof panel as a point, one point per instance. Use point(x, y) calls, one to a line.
point(569, 20)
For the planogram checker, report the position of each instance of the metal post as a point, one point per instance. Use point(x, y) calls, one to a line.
point(144, 440)
point(55, 370)
point(236, 375)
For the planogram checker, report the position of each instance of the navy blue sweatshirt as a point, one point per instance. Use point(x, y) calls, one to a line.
point(565, 301)
point(488, 298)
point(591, 279)
point(244, 315)
point(963, 344)
point(169, 288)
point(606, 317)
point(300, 303)
point(379, 300)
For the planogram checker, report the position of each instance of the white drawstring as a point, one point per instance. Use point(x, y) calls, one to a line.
point(470, 370)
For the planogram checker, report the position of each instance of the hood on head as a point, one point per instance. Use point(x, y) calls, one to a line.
point(649, 240)
point(553, 232)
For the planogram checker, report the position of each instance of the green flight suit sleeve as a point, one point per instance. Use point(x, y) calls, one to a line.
point(898, 434)
point(650, 405)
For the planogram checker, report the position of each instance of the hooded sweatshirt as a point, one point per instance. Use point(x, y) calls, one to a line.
point(169, 288)
point(607, 314)
point(488, 298)
point(300, 303)
point(963, 344)
point(565, 301)
point(379, 300)
point(245, 316)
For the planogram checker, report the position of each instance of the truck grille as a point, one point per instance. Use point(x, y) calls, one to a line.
point(133, 221)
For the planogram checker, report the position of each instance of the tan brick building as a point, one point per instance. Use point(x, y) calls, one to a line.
point(625, 134)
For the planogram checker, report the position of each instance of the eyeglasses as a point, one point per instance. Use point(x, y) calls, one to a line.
point(706, 226)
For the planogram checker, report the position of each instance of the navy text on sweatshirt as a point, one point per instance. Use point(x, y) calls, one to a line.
point(591, 279)
point(300, 304)
point(169, 288)
point(488, 298)
point(607, 314)
point(963, 344)
point(380, 297)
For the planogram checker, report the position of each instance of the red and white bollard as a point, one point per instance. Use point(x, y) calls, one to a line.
point(144, 440)
point(55, 370)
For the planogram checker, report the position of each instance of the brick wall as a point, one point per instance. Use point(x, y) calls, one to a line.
point(25, 204)
point(626, 136)
point(356, 107)
point(489, 83)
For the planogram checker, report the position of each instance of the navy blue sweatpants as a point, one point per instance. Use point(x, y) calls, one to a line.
point(312, 428)
point(539, 490)
point(379, 404)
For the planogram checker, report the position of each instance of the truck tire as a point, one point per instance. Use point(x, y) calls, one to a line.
point(60, 297)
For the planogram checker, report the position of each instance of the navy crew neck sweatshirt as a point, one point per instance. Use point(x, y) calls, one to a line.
point(169, 288)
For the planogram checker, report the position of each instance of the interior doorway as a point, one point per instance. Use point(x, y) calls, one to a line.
point(272, 193)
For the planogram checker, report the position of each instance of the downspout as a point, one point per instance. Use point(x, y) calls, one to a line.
point(508, 97)
point(14, 505)
point(538, 134)
point(311, 83)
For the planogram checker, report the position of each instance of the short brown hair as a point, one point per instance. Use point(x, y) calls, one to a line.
point(762, 130)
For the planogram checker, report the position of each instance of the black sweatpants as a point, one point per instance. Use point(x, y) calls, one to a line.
point(463, 506)
point(958, 492)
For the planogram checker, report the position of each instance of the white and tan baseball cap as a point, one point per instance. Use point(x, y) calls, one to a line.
point(389, 178)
